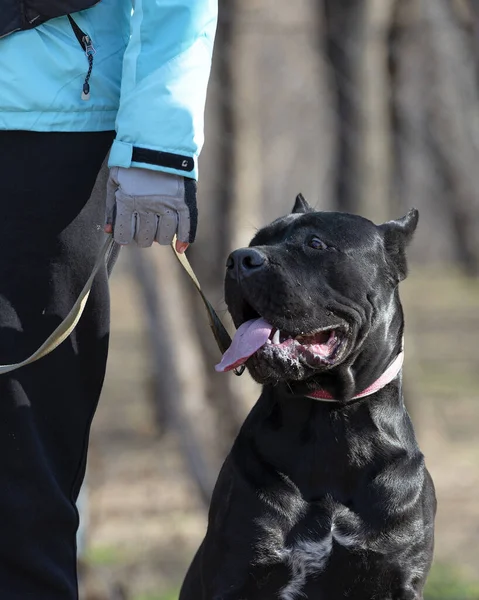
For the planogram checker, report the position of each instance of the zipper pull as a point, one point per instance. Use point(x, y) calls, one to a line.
point(89, 52)
point(88, 45)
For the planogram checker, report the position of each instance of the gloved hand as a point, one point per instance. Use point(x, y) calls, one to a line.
point(147, 206)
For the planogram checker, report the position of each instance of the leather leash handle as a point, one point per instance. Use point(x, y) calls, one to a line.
point(220, 334)
point(69, 323)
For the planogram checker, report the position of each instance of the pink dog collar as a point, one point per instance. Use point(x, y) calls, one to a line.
point(389, 374)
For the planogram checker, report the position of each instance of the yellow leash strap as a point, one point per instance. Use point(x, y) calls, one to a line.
point(70, 322)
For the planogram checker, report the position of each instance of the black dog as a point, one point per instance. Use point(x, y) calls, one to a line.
point(319, 499)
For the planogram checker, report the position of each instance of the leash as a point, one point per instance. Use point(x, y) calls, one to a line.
point(389, 374)
point(222, 337)
point(61, 333)
point(70, 322)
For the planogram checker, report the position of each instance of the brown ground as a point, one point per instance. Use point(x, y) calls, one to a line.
point(145, 517)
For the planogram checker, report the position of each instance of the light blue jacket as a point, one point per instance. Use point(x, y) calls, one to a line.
point(149, 79)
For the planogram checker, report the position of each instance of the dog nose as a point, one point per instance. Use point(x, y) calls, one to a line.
point(245, 261)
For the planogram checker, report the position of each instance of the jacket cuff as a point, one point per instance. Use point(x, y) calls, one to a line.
point(124, 154)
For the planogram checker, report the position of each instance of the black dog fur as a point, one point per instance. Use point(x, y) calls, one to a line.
point(321, 500)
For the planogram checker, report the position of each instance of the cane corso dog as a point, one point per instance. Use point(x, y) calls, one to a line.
point(325, 494)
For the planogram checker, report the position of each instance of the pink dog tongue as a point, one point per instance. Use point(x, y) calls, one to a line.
point(248, 338)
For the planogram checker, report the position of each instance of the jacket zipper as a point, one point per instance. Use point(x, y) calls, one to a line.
point(86, 44)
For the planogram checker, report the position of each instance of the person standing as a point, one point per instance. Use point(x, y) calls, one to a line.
point(80, 79)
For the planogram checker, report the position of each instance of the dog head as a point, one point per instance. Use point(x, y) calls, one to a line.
point(325, 284)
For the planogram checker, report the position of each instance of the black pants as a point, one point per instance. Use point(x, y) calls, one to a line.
point(49, 238)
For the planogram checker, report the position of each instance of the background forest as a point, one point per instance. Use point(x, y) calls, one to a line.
point(367, 106)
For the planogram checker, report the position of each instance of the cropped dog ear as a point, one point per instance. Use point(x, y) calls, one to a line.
point(397, 235)
point(301, 205)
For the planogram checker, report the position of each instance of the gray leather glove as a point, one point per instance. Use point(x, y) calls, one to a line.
point(147, 206)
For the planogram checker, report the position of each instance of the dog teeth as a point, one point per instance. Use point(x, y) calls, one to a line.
point(276, 337)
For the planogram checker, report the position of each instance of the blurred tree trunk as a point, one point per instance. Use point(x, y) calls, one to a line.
point(454, 128)
point(248, 174)
point(177, 365)
point(474, 5)
point(225, 62)
point(413, 173)
point(344, 32)
point(374, 90)
point(356, 41)
point(435, 116)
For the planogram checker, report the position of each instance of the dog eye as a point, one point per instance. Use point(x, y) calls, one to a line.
point(317, 244)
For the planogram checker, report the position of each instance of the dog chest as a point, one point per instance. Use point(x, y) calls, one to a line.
point(305, 556)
